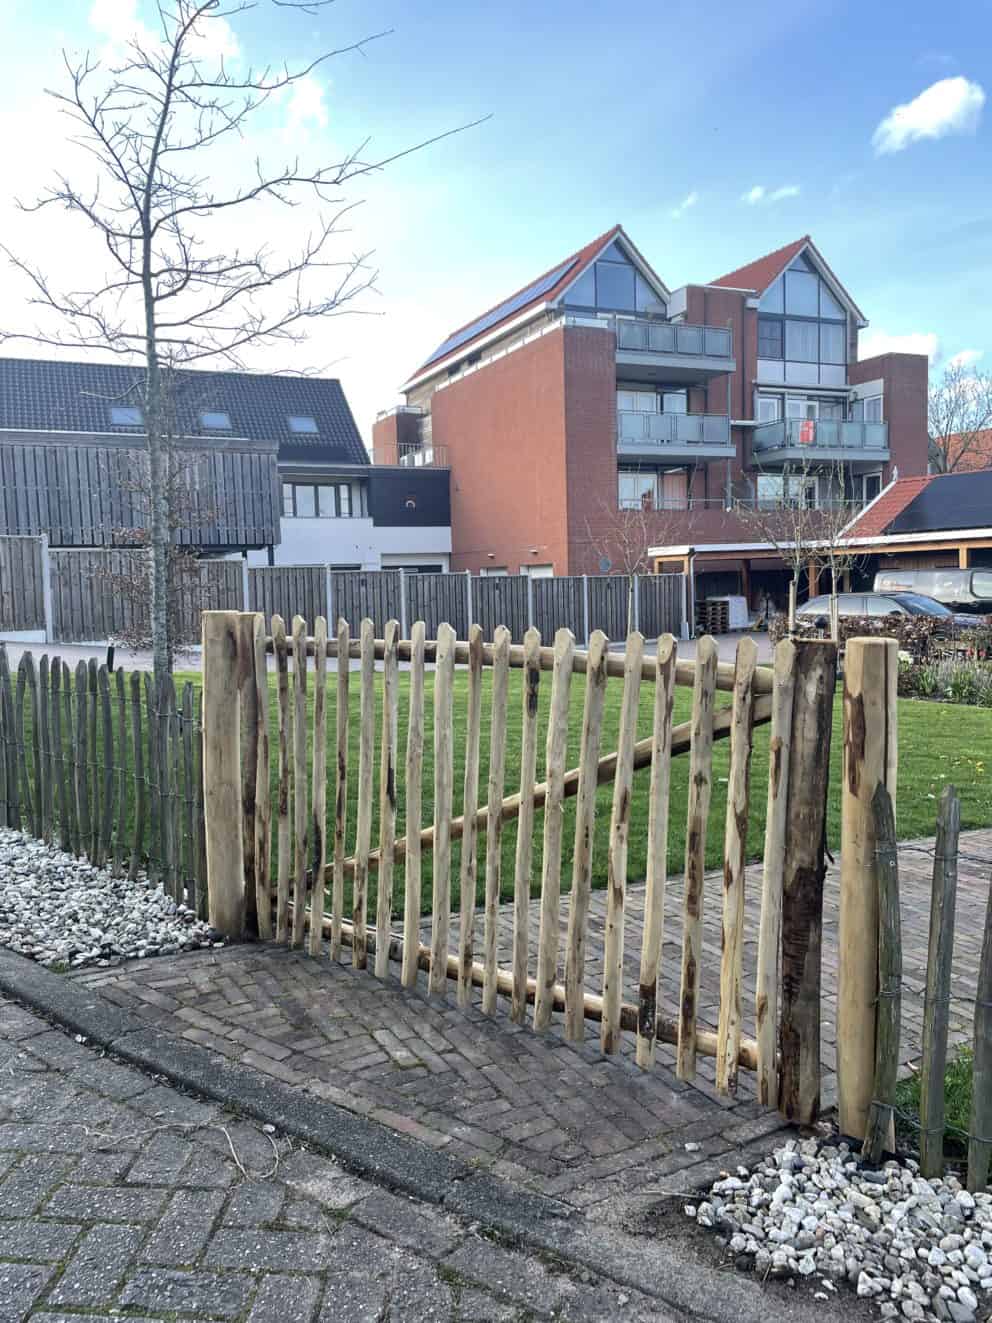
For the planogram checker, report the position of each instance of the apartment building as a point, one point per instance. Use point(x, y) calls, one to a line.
point(270, 467)
point(597, 409)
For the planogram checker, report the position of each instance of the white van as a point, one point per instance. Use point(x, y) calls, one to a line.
point(962, 590)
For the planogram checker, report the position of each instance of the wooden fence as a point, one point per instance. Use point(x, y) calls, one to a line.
point(22, 584)
point(107, 766)
point(323, 883)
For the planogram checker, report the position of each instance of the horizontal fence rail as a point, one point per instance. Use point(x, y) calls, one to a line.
point(396, 845)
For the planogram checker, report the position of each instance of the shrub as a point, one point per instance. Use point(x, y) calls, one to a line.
point(954, 679)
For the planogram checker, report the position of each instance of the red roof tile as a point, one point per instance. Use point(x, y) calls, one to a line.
point(978, 454)
point(893, 500)
point(758, 275)
point(583, 256)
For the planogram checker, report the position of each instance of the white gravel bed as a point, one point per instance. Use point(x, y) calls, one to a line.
point(62, 911)
point(920, 1249)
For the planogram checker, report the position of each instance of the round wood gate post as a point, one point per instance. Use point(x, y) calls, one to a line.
point(870, 758)
point(223, 664)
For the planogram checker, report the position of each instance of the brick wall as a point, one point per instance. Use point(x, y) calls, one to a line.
point(504, 429)
point(905, 389)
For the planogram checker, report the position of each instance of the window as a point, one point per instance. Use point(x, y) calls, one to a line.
point(288, 502)
point(344, 500)
point(801, 342)
point(583, 292)
point(769, 408)
point(675, 401)
point(872, 486)
point(301, 424)
point(306, 502)
point(801, 293)
point(637, 491)
point(773, 299)
point(637, 401)
point(797, 406)
point(873, 409)
point(833, 342)
point(615, 286)
point(769, 338)
point(647, 299)
point(775, 489)
point(829, 307)
point(126, 415)
point(216, 422)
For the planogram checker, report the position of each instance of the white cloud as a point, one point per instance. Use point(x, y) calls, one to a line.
point(688, 201)
point(117, 20)
point(761, 194)
point(305, 106)
point(966, 358)
point(873, 343)
point(952, 105)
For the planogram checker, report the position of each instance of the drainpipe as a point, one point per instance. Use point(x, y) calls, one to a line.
point(691, 622)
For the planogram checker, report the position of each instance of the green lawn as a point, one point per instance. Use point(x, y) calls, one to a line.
point(938, 742)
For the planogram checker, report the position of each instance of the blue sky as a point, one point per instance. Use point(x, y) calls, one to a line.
point(666, 119)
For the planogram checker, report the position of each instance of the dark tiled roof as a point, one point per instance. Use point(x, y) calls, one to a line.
point(879, 515)
point(39, 395)
point(949, 500)
point(759, 274)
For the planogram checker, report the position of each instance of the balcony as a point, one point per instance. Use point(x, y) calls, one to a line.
point(650, 349)
point(673, 436)
point(428, 456)
point(823, 441)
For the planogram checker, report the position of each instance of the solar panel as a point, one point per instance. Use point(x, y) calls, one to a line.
point(511, 305)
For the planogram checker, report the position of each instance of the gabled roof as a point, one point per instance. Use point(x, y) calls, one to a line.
point(535, 293)
point(759, 274)
point(762, 272)
point(40, 395)
point(876, 519)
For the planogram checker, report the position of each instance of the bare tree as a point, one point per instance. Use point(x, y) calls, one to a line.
point(959, 417)
point(159, 127)
point(831, 550)
point(788, 521)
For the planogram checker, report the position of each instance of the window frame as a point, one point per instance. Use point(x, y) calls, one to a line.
point(138, 420)
point(215, 427)
point(293, 419)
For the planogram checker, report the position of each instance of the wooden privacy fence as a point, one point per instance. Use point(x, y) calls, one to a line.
point(323, 883)
point(22, 583)
point(107, 766)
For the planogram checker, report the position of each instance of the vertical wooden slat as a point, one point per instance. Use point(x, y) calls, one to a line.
point(366, 775)
point(36, 777)
point(387, 796)
point(93, 769)
point(616, 880)
point(980, 1127)
point(43, 746)
point(140, 783)
point(444, 670)
point(282, 793)
point(773, 874)
point(174, 804)
point(250, 736)
point(23, 767)
point(12, 797)
point(319, 792)
point(58, 746)
point(69, 751)
point(222, 771)
point(880, 1130)
point(6, 818)
point(120, 835)
point(263, 785)
point(554, 812)
point(937, 997)
point(166, 704)
point(189, 796)
point(202, 901)
point(82, 758)
point(341, 786)
point(657, 861)
point(525, 824)
point(107, 753)
point(870, 671)
point(301, 807)
point(414, 807)
point(700, 790)
point(585, 825)
point(154, 801)
point(470, 803)
point(734, 855)
point(494, 814)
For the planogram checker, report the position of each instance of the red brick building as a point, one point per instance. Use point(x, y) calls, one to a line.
point(597, 408)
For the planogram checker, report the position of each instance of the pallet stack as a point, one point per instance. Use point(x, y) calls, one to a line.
point(713, 616)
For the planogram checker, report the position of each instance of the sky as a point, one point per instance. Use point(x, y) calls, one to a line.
point(713, 132)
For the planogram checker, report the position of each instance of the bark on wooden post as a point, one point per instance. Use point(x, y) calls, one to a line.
point(937, 999)
point(880, 1129)
point(802, 895)
point(249, 766)
point(222, 674)
point(980, 1128)
point(871, 666)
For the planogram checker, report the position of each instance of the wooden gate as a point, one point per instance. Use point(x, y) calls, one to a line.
point(290, 846)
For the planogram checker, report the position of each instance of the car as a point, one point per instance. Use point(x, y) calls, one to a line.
point(888, 604)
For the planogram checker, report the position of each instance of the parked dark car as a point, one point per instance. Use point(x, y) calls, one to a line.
point(887, 604)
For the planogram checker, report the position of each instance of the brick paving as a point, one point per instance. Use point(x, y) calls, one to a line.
point(531, 1108)
point(120, 1197)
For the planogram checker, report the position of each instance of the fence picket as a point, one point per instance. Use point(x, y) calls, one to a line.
point(202, 890)
point(470, 804)
point(154, 804)
point(444, 671)
point(82, 759)
point(525, 824)
point(366, 776)
point(773, 874)
point(69, 749)
point(616, 883)
point(341, 785)
point(174, 801)
point(42, 750)
point(387, 797)
point(318, 797)
point(166, 708)
point(140, 785)
point(282, 794)
point(120, 835)
point(554, 809)
point(980, 1144)
point(414, 807)
point(880, 1129)
point(27, 800)
point(263, 786)
point(700, 789)
point(58, 746)
point(11, 796)
point(301, 806)
point(107, 753)
point(6, 819)
point(734, 855)
point(494, 816)
point(585, 823)
point(188, 875)
point(93, 768)
point(657, 860)
point(937, 997)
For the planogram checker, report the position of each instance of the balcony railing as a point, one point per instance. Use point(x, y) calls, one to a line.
point(667, 429)
point(412, 456)
point(824, 434)
point(656, 337)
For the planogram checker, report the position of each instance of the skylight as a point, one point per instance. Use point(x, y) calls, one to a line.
point(126, 415)
point(301, 423)
point(216, 422)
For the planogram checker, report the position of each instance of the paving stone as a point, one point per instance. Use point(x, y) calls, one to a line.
point(29, 1184)
point(285, 1299)
point(507, 1274)
point(324, 1181)
point(185, 1227)
point(203, 1294)
point(97, 1204)
point(300, 1251)
point(20, 1286)
point(92, 1275)
point(409, 1222)
point(32, 1239)
point(161, 1160)
point(252, 1205)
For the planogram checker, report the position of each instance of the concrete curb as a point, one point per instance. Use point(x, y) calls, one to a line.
point(656, 1269)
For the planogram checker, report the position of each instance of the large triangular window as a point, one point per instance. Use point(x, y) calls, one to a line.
point(614, 284)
